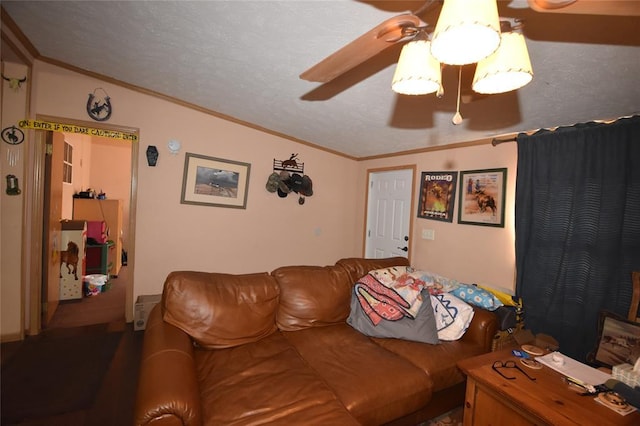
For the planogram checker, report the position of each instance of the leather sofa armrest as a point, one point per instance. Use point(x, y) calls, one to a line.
point(168, 392)
point(482, 329)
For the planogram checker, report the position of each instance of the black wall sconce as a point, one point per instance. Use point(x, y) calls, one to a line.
point(152, 155)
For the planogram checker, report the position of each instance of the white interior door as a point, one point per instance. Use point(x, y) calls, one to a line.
point(389, 213)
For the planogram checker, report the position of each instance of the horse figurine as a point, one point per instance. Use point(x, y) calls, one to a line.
point(70, 257)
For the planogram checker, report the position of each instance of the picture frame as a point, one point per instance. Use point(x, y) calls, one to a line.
point(482, 197)
point(210, 181)
point(437, 195)
point(617, 336)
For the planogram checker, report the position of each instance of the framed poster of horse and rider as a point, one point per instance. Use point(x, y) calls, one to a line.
point(437, 195)
point(482, 197)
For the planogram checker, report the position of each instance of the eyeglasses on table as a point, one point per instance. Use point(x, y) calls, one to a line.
point(509, 364)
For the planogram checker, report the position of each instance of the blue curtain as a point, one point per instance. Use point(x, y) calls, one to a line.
point(577, 217)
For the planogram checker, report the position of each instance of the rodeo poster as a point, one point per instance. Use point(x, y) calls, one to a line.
point(437, 195)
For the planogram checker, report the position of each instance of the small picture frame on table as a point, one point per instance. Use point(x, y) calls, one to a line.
point(618, 340)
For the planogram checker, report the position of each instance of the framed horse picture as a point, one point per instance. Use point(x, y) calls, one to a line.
point(209, 181)
point(482, 197)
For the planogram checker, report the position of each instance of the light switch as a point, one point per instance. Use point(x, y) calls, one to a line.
point(428, 234)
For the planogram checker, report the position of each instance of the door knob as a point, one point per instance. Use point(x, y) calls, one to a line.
point(404, 248)
point(406, 238)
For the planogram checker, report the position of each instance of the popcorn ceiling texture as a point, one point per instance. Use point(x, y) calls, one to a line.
point(242, 60)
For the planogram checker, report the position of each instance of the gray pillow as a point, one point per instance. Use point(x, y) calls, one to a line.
point(421, 329)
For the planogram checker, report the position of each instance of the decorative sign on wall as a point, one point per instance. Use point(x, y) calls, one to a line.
point(12, 135)
point(99, 108)
point(73, 128)
point(14, 83)
point(152, 155)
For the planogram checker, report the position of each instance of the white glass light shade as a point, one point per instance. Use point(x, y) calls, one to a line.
point(467, 31)
point(509, 68)
point(417, 72)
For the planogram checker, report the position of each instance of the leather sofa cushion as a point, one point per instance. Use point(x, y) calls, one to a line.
point(312, 296)
point(221, 310)
point(439, 361)
point(358, 267)
point(266, 382)
point(374, 384)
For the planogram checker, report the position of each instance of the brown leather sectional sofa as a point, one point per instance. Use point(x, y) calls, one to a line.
point(275, 348)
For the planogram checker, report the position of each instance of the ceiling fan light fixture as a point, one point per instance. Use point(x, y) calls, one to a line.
point(417, 72)
point(466, 31)
point(509, 68)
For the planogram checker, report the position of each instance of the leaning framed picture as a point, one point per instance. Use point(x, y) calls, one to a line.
point(437, 195)
point(617, 340)
point(210, 181)
point(482, 197)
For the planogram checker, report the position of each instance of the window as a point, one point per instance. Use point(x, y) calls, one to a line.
point(67, 167)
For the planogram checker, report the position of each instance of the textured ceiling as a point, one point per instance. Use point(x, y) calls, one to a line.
point(243, 58)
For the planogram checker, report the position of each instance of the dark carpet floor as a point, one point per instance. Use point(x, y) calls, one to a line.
point(68, 378)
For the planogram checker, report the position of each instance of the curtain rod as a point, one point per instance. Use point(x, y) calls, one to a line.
point(497, 141)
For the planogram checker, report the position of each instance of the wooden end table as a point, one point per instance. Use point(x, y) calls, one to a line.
point(494, 400)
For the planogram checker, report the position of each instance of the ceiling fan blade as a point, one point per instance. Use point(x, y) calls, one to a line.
point(589, 7)
point(364, 47)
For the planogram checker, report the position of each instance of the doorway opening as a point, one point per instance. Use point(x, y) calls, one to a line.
point(98, 177)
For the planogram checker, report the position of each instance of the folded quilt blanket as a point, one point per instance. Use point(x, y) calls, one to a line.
point(382, 302)
point(395, 293)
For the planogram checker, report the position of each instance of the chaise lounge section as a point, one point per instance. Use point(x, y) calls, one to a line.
point(276, 348)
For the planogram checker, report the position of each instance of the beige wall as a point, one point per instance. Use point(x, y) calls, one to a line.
point(271, 231)
point(14, 107)
point(468, 253)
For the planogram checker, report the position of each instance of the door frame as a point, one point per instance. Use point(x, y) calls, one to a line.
point(413, 169)
point(52, 231)
point(32, 273)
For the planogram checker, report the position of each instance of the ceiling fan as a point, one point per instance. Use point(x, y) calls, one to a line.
point(407, 26)
point(394, 30)
point(615, 7)
point(466, 32)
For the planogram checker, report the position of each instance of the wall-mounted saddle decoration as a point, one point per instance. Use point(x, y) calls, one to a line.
point(288, 176)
